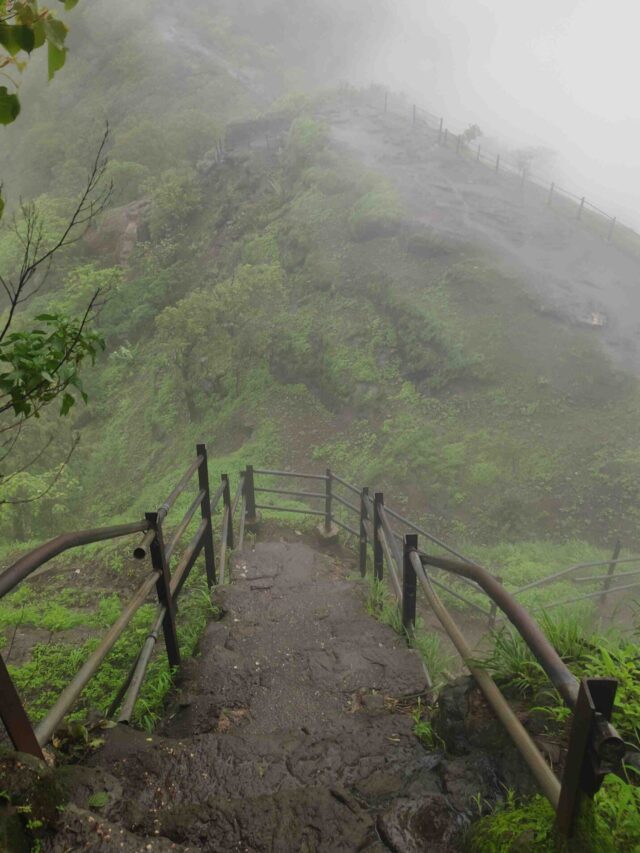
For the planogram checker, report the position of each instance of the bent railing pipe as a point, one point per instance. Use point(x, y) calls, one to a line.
point(23, 567)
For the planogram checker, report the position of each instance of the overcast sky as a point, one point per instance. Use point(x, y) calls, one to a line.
point(561, 73)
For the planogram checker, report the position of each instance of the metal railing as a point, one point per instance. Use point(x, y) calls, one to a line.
point(167, 583)
point(595, 747)
point(383, 101)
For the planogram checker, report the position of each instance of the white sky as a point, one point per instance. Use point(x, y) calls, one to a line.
point(561, 73)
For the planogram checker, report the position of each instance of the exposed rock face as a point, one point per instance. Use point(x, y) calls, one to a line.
point(118, 231)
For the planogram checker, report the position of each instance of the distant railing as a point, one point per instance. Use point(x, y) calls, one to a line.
point(380, 99)
point(595, 747)
point(168, 585)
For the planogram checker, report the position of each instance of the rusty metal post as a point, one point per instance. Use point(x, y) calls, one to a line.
point(328, 499)
point(205, 508)
point(14, 716)
point(251, 516)
point(581, 207)
point(409, 582)
point(163, 588)
point(612, 567)
point(378, 554)
point(364, 501)
point(551, 189)
point(584, 770)
point(226, 497)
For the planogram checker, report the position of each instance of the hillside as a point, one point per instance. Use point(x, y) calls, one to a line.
point(302, 282)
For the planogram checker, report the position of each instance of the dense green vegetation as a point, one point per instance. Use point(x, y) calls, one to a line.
point(276, 304)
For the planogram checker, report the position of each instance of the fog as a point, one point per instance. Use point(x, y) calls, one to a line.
point(563, 75)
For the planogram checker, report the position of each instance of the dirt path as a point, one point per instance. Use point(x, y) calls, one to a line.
point(571, 270)
point(291, 732)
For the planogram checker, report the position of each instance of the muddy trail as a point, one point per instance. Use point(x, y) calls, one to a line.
point(292, 730)
point(572, 271)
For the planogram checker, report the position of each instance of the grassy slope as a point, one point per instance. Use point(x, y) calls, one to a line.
point(431, 375)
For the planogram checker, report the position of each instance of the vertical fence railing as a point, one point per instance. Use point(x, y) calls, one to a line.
point(364, 516)
point(203, 481)
point(378, 555)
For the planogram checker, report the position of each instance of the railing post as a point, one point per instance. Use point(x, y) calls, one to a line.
point(551, 189)
point(163, 588)
point(409, 584)
point(581, 207)
point(612, 567)
point(584, 771)
point(378, 556)
point(327, 502)
point(226, 497)
point(251, 515)
point(364, 513)
point(493, 609)
point(205, 508)
point(14, 716)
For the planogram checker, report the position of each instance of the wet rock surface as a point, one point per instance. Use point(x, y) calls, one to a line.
point(290, 731)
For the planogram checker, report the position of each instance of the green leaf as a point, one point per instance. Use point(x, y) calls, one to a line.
point(67, 402)
point(38, 34)
point(56, 59)
point(8, 39)
point(24, 37)
point(9, 106)
point(56, 32)
point(69, 4)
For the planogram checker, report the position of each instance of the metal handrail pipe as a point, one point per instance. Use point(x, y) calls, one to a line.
point(187, 559)
point(238, 495)
point(223, 544)
point(243, 514)
point(291, 509)
point(345, 527)
point(69, 695)
point(215, 497)
point(346, 503)
point(587, 595)
point(397, 587)
point(179, 488)
point(137, 679)
point(291, 493)
point(567, 571)
point(545, 777)
point(389, 534)
point(617, 577)
point(289, 474)
point(548, 658)
point(346, 484)
point(23, 567)
point(170, 547)
point(429, 536)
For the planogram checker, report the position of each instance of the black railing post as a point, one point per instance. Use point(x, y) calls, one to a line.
point(612, 568)
point(364, 514)
point(251, 515)
point(205, 508)
point(378, 556)
point(409, 583)
point(226, 497)
point(14, 716)
point(584, 770)
point(328, 498)
point(163, 588)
